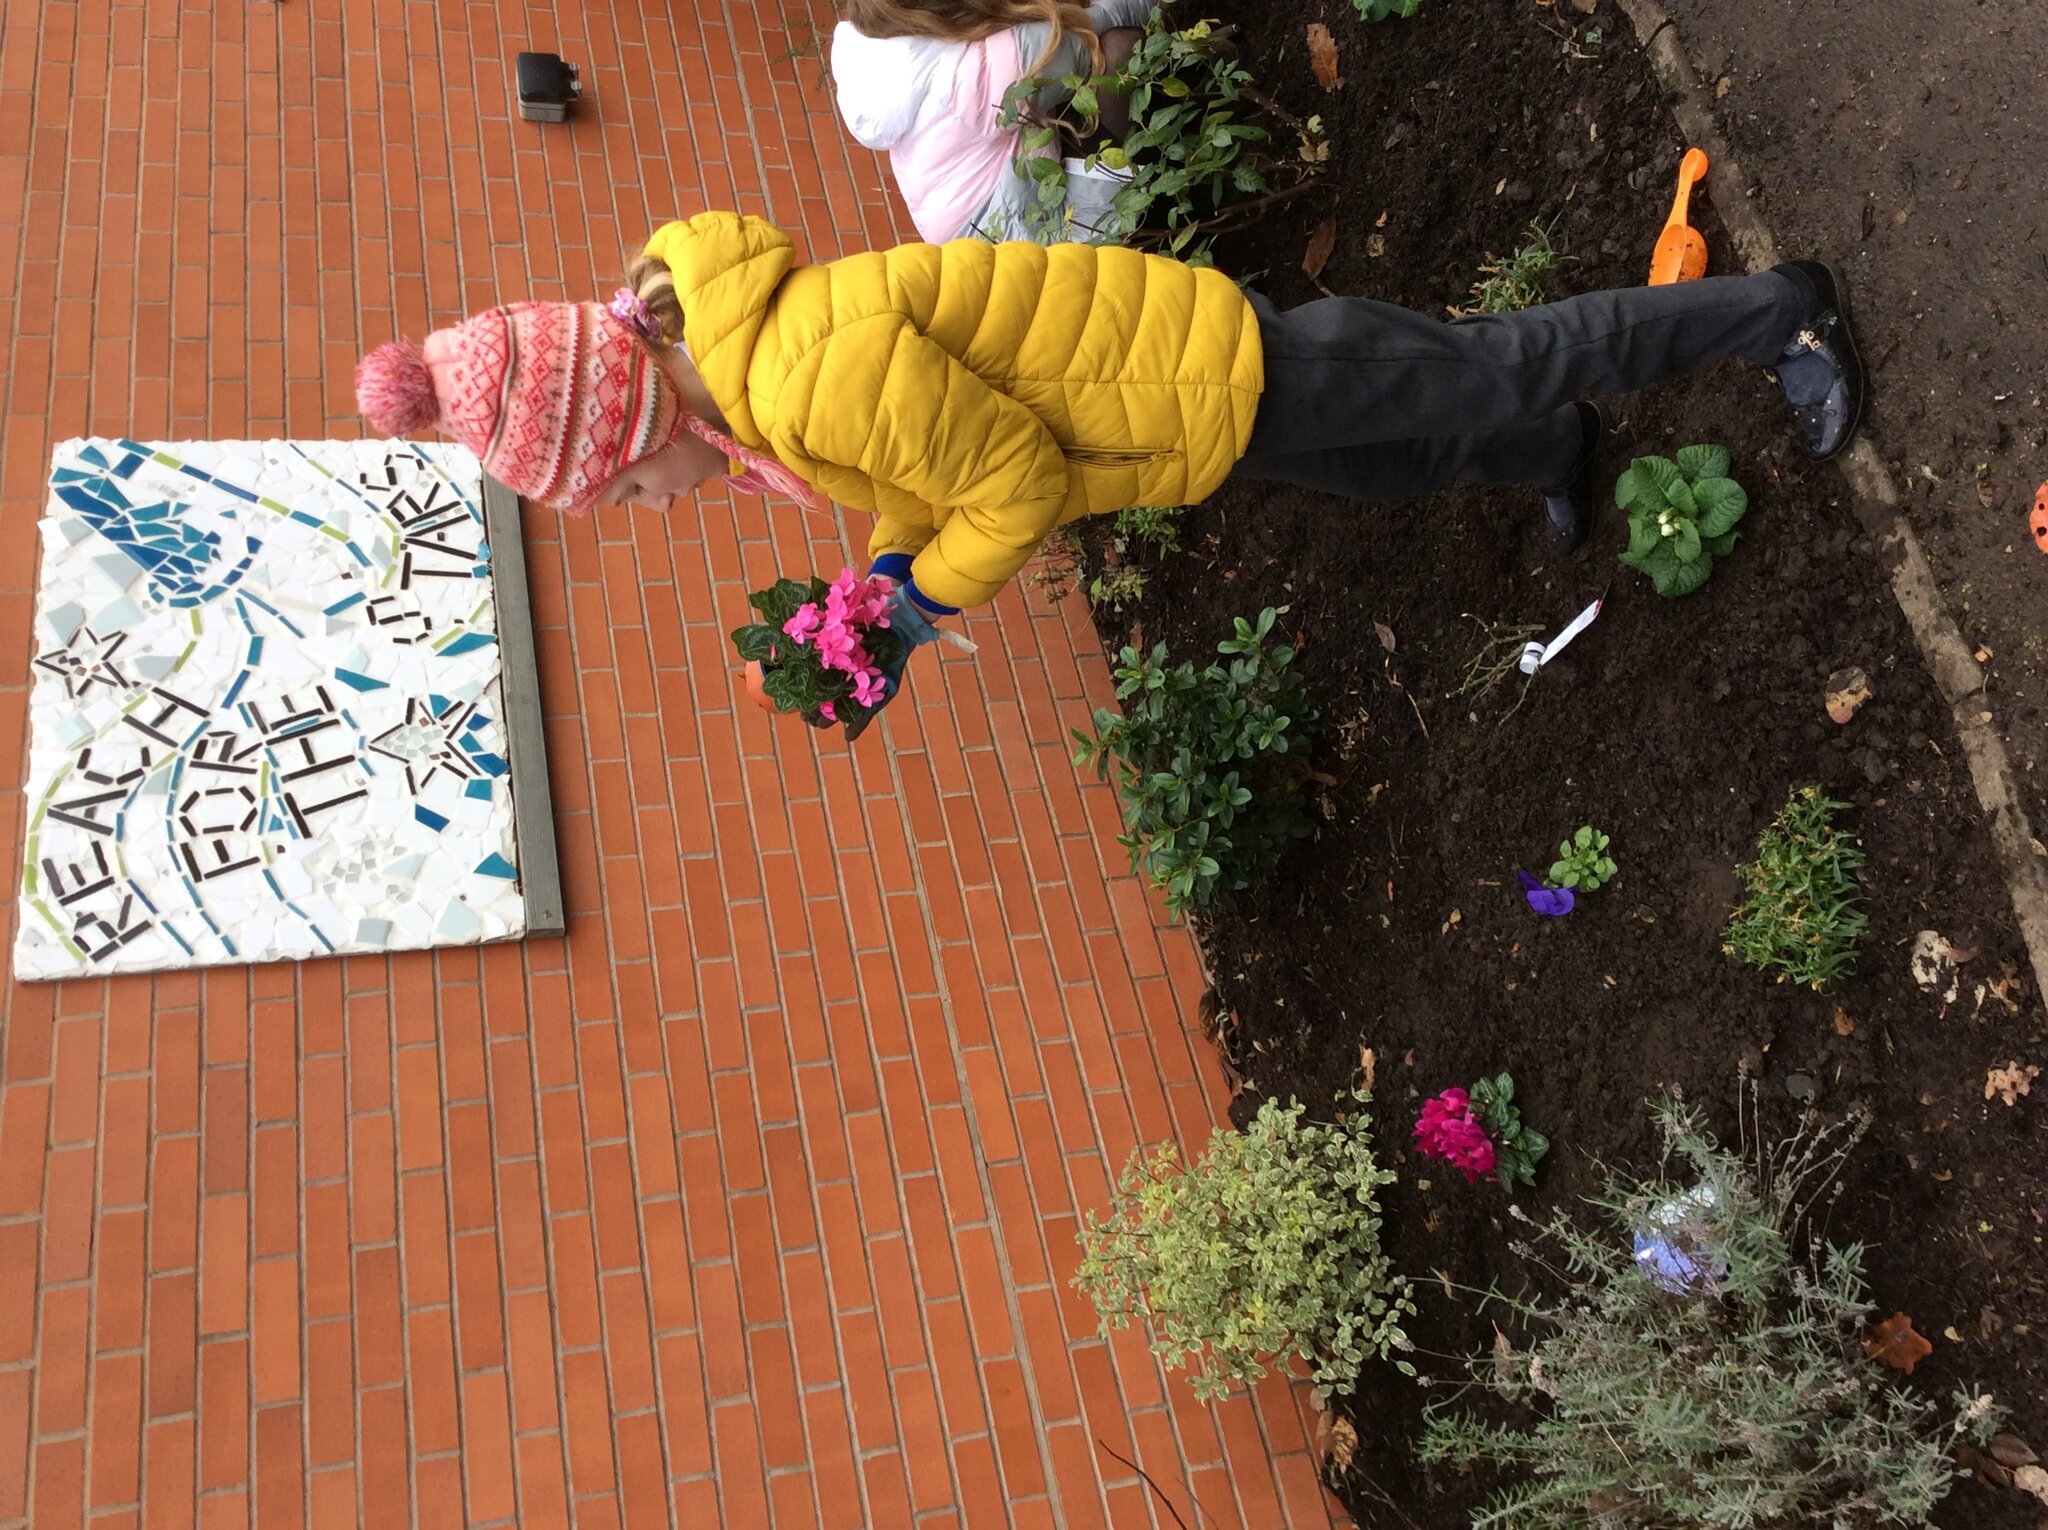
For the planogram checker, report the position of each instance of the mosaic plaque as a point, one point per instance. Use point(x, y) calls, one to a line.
point(266, 719)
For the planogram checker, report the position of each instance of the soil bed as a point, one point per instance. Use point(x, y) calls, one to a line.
point(1678, 727)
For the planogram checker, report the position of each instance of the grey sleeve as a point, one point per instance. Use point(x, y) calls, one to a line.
point(1119, 13)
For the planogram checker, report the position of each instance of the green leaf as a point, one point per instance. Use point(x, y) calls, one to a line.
point(1720, 546)
point(1686, 545)
point(1642, 537)
point(1634, 488)
point(756, 643)
point(1722, 502)
point(1584, 838)
point(1684, 578)
point(1702, 462)
point(1660, 476)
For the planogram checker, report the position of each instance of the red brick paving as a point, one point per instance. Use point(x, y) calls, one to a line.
point(751, 1202)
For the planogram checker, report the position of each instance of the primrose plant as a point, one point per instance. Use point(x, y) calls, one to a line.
point(1582, 862)
point(1681, 516)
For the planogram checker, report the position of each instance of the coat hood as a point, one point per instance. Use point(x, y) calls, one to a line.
point(727, 267)
point(884, 84)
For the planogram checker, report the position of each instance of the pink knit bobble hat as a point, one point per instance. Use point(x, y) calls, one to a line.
point(556, 400)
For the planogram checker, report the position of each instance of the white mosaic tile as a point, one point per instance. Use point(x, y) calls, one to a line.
point(264, 715)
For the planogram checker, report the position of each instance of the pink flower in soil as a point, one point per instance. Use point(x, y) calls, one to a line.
point(806, 621)
point(825, 710)
point(1448, 1129)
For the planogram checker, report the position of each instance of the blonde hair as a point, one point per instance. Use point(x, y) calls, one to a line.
point(655, 285)
point(972, 20)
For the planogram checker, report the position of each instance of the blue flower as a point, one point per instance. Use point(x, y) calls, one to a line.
point(1554, 901)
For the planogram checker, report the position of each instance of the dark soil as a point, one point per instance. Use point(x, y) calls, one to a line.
point(1678, 727)
point(1909, 140)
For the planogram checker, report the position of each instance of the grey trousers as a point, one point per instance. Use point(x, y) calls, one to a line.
point(1371, 401)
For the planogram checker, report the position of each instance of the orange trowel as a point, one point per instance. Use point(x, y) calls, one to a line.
point(1681, 253)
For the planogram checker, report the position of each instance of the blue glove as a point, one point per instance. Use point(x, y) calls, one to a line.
point(914, 625)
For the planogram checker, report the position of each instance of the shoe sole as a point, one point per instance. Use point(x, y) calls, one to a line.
point(1854, 356)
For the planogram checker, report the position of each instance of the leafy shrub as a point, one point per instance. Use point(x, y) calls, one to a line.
point(1582, 861)
point(1199, 762)
point(1267, 1246)
point(1800, 916)
point(1681, 516)
point(1742, 1402)
point(1192, 148)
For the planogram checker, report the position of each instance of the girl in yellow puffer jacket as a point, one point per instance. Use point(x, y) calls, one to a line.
point(973, 397)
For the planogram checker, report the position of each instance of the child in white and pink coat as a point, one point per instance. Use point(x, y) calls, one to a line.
point(923, 81)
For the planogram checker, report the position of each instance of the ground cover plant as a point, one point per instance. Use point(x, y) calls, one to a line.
point(1265, 1247)
point(1698, 1370)
point(1674, 726)
point(1800, 917)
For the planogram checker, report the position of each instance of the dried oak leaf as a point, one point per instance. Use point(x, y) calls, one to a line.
point(1894, 1343)
point(1340, 1444)
point(1322, 56)
point(1320, 243)
point(2031, 1479)
point(2010, 1082)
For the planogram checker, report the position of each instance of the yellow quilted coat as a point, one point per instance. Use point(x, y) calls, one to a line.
point(972, 396)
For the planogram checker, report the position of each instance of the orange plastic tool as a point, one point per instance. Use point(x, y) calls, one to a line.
point(1681, 253)
point(2038, 521)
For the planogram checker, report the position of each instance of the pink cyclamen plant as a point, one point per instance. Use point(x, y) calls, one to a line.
point(1450, 1129)
point(835, 633)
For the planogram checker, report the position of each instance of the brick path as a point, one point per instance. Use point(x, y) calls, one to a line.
point(753, 1201)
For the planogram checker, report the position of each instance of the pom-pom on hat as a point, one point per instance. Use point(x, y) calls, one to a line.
point(556, 399)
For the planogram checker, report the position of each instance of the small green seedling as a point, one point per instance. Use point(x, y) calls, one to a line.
point(1681, 516)
point(1380, 10)
point(1582, 862)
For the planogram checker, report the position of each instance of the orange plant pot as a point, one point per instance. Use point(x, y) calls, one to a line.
point(760, 697)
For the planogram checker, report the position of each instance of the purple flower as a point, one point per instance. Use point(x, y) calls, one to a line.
point(1554, 901)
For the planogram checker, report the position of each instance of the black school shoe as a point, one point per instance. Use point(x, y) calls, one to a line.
point(1570, 509)
point(1820, 371)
